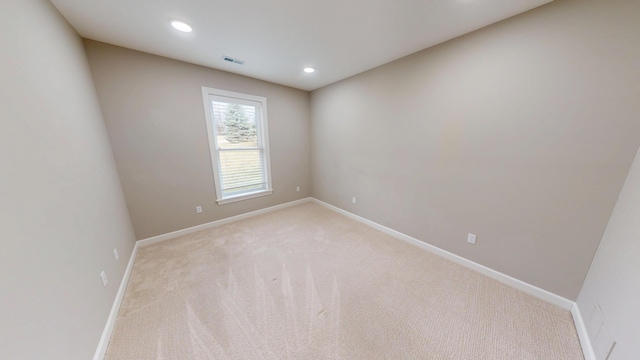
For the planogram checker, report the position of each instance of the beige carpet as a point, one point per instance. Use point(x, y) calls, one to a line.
point(307, 283)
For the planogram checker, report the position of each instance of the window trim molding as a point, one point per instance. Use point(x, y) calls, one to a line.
point(207, 95)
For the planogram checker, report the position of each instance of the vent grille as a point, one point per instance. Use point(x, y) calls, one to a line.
point(233, 60)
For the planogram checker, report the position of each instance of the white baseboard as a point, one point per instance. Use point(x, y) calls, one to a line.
point(506, 279)
point(213, 224)
point(108, 328)
point(585, 342)
point(511, 281)
point(542, 294)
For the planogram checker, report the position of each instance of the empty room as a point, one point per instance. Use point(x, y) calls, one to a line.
point(207, 179)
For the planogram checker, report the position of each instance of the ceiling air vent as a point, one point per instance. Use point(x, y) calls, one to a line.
point(233, 60)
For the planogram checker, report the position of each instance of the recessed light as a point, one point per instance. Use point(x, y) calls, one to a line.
point(309, 70)
point(179, 25)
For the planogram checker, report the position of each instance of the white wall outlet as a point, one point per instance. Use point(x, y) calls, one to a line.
point(298, 188)
point(115, 254)
point(198, 209)
point(471, 239)
point(103, 276)
point(353, 200)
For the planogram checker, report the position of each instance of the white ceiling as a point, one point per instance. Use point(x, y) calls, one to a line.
point(278, 38)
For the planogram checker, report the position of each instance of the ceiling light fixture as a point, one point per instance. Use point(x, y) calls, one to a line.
point(309, 70)
point(179, 25)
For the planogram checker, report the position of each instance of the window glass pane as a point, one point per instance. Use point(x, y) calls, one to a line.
point(239, 144)
point(236, 125)
point(242, 171)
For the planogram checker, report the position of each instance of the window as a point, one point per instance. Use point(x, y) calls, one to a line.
point(238, 140)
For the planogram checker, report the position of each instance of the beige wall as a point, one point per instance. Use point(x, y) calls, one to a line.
point(612, 282)
point(155, 117)
point(522, 133)
point(62, 211)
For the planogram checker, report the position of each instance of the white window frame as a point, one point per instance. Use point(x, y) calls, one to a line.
point(208, 96)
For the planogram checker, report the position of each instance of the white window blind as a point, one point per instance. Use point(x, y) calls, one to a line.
point(238, 141)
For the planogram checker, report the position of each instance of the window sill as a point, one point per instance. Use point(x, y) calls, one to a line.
point(244, 197)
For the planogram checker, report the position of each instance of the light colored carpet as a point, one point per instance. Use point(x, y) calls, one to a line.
point(307, 283)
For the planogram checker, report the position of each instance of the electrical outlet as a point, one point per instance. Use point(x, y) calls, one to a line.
point(198, 209)
point(353, 200)
point(103, 276)
point(298, 188)
point(115, 254)
point(471, 239)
